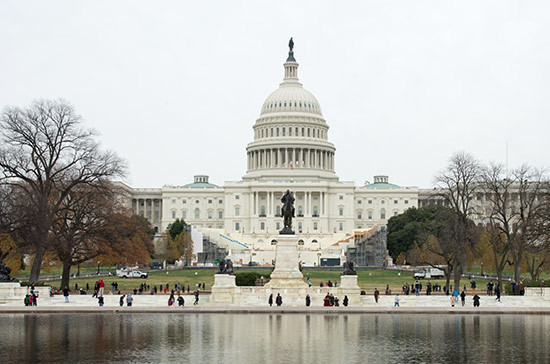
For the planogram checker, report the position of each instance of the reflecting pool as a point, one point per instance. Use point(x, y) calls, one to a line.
point(274, 338)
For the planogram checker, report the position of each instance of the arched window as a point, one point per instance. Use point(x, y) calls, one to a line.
point(314, 241)
point(260, 241)
point(315, 211)
point(197, 213)
point(301, 242)
point(300, 211)
point(273, 242)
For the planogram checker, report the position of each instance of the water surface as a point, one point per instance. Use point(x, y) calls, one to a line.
point(274, 338)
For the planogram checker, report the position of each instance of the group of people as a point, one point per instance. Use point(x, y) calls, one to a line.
point(329, 300)
point(416, 288)
point(31, 299)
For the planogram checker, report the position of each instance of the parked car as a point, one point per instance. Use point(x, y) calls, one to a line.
point(131, 274)
point(428, 273)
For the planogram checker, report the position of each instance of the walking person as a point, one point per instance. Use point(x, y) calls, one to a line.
point(279, 299)
point(270, 300)
point(473, 286)
point(497, 292)
point(121, 301)
point(452, 300)
point(396, 301)
point(66, 294)
point(129, 300)
point(196, 297)
point(376, 295)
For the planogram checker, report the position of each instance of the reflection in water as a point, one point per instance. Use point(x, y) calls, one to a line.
point(275, 338)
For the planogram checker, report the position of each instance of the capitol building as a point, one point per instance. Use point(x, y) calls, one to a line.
point(290, 150)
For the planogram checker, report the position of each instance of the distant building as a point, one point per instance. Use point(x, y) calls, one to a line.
point(290, 150)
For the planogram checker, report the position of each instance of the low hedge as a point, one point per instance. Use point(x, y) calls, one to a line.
point(508, 286)
point(247, 278)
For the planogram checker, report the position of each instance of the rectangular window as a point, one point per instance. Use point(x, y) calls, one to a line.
point(173, 214)
point(370, 215)
point(359, 202)
point(278, 226)
point(300, 227)
point(262, 226)
point(406, 202)
point(237, 211)
point(220, 214)
point(184, 201)
point(209, 201)
point(300, 197)
point(395, 213)
point(237, 197)
point(341, 197)
point(184, 215)
point(173, 200)
point(314, 226)
point(315, 197)
point(359, 215)
point(209, 214)
point(370, 202)
point(341, 226)
point(395, 202)
point(220, 201)
point(237, 226)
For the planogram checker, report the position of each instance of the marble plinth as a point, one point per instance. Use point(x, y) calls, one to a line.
point(224, 289)
point(12, 290)
point(287, 271)
point(349, 287)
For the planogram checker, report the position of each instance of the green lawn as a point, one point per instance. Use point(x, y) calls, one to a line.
point(368, 280)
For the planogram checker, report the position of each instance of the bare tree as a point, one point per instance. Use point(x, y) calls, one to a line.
point(459, 182)
point(45, 153)
point(78, 225)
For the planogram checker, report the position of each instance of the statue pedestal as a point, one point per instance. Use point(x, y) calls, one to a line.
point(349, 287)
point(287, 272)
point(12, 290)
point(223, 289)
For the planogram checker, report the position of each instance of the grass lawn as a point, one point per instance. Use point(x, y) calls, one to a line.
point(368, 280)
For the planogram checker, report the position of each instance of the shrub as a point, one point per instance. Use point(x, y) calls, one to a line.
point(246, 278)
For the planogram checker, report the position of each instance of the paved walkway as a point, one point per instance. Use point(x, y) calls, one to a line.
point(159, 303)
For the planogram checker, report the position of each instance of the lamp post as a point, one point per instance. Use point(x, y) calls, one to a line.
point(98, 268)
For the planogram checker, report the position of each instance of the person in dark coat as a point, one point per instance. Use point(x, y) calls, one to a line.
point(346, 301)
point(476, 300)
point(463, 297)
point(376, 295)
point(66, 294)
point(270, 300)
point(308, 301)
point(181, 301)
point(196, 297)
point(121, 302)
point(279, 299)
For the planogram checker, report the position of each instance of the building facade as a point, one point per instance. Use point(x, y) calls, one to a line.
point(290, 150)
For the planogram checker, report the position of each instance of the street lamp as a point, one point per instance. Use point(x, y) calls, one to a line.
point(98, 268)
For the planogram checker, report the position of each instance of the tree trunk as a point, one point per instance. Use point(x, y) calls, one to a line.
point(37, 264)
point(65, 276)
point(457, 272)
point(517, 265)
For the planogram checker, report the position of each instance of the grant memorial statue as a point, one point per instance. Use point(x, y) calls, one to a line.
point(288, 213)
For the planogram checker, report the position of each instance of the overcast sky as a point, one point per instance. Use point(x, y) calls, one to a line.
point(174, 87)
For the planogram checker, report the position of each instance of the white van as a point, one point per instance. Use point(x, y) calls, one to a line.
point(428, 273)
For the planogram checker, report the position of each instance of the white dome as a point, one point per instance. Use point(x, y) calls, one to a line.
point(291, 97)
